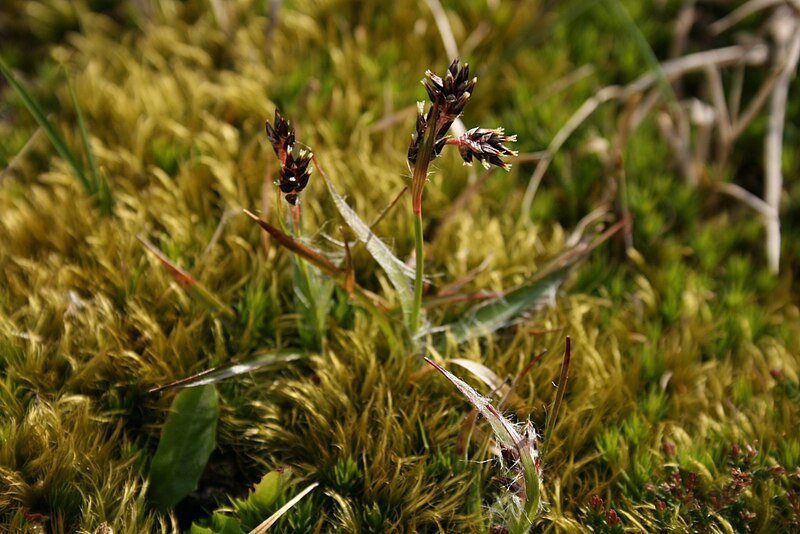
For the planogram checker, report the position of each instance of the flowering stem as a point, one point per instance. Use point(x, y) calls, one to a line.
point(418, 180)
point(305, 282)
point(419, 273)
point(296, 218)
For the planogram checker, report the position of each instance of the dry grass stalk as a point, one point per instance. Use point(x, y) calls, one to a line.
point(676, 121)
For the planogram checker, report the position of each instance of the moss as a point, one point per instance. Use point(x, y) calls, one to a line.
point(683, 348)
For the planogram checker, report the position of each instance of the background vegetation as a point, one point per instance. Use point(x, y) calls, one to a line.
point(683, 404)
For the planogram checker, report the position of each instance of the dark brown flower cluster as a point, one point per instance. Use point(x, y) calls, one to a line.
point(450, 94)
point(485, 145)
point(416, 137)
point(448, 97)
point(295, 161)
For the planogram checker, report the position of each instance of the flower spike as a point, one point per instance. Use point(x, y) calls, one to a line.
point(448, 97)
point(295, 169)
point(451, 93)
point(485, 145)
point(281, 137)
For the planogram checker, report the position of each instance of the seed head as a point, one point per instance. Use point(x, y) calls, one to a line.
point(295, 169)
point(448, 97)
point(419, 133)
point(294, 174)
point(450, 94)
point(485, 145)
point(281, 137)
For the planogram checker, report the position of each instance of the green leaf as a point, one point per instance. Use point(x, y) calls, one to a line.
point(216, 374)
point(521, 446)
point(269, 489)
point(559, 398)
point(500, 312)
point(271, 520)
point(187, 440)
point(49, 129)
point(313, 300)
point(99, 183)
point(374, 303)
point(225, 524)
point(618, 10)
point(220, 524)
point(399, 274)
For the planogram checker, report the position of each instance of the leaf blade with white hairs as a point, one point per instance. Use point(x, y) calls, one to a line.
point(398, 273)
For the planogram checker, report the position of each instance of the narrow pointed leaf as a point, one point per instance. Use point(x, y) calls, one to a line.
point(528, 466)
point(187, 440)
point(50, 130)
point(559, 398)
point(198, 290)
point(375, 303)
point(388, 208)
point(511, 395)
point(349, 270)
point(271, 520)
point(506, 434)
point(313, 300)
point(399, 274)
point(304, 251)
point(522, 445)
point(223, 372)
point(488, 377)
point(500, 312)
point(99, 183)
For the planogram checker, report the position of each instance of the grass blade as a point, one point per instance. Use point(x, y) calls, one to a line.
point(624, 17)
point(314, 257)
point(50, 130)
point(398, 273)
point(373, 302)
point(223, 372)
point(483, 373)
point(198, 290)
point(505, 432)
point(99, 183)
point(313, 300)
point(501, 311)
point(518, 450)
point(271, 520)
point(559, 398)
point(517, 379)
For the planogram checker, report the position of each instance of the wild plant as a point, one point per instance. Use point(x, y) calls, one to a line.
point(448, 97)
point(316, 274)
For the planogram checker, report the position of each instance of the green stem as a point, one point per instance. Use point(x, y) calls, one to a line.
point(418, 275)
point(307, 287)
point(424, 156)
point(559, 398)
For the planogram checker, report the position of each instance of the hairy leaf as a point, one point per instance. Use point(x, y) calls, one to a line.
point(397, 272)
point(210, 376)
point(500, 312)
